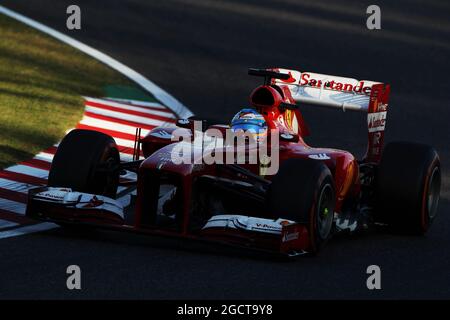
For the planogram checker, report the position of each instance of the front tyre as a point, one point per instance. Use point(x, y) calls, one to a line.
point(86, 161)
point(408, 187)
point(303, 191)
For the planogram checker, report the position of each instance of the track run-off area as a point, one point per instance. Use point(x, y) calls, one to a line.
point(118, 119)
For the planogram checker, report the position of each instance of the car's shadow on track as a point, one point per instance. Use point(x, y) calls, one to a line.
point(167, 243)
point(372, 236)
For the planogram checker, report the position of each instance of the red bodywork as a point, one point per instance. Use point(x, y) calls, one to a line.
point(268, 100)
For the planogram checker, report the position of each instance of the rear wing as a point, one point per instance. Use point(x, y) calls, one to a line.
point(329, 91)
point(342, 93)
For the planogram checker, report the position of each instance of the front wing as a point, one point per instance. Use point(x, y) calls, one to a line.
point(64, 206)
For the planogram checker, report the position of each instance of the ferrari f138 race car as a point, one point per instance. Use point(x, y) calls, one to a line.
point(315, 193)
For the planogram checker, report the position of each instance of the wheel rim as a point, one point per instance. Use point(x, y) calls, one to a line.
point(434, 186)
point(325, 211)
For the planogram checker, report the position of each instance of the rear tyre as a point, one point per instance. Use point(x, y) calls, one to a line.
point(303, 191)
point(86, 161)
point(408, 187)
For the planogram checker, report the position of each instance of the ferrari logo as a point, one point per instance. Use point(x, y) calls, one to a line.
point(290, 120)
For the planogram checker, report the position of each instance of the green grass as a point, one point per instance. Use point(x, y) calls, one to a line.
point(41, 84)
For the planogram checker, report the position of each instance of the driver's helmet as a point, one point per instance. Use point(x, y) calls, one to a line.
point(250, 121)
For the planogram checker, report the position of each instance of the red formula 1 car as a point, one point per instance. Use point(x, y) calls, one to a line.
point(315, 192)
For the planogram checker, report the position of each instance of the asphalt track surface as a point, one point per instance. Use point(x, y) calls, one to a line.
point(199, 51)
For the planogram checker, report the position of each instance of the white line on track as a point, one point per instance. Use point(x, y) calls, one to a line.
point(27, 229)
point(7, 224)
point(125, 116)
point(15, 185)
point(160, 94)
point(30, 171)
point(124, 142)
point(124, 157)
point(137, 103)
point(12, 206)
point(44, 156)
point(109, 125)
point(126, 107)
